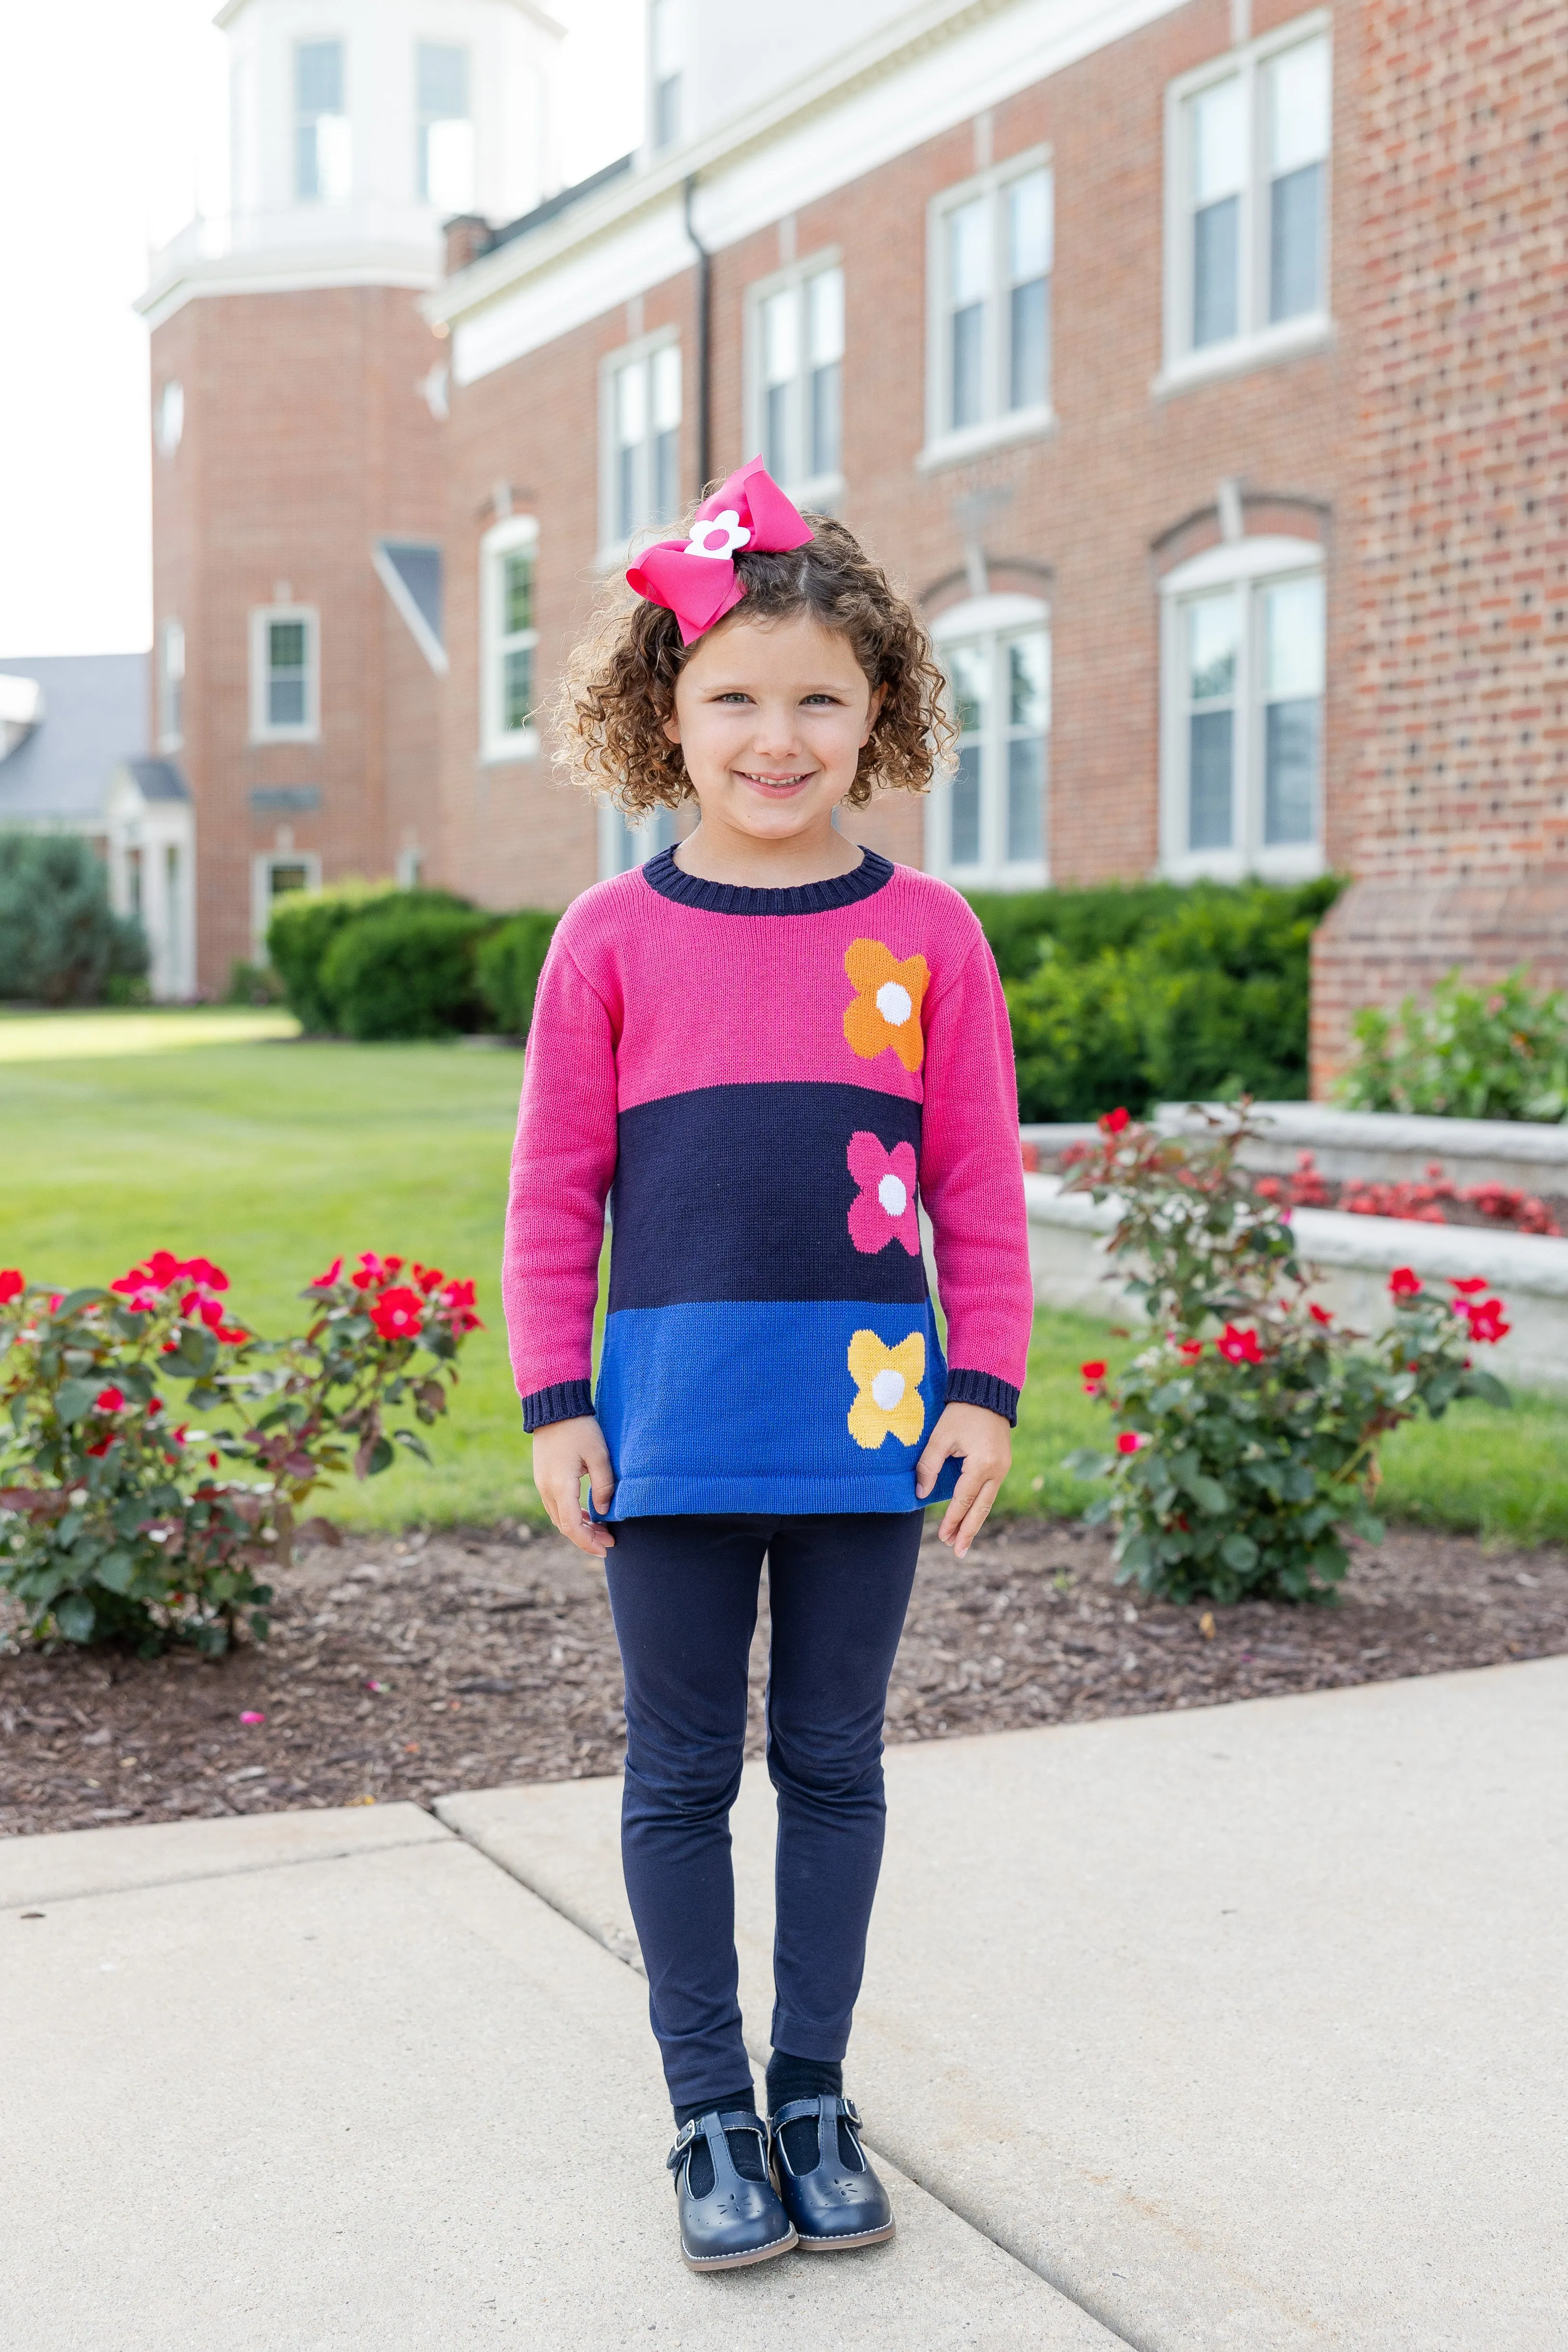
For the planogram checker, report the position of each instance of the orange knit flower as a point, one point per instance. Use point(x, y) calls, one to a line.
point(886, 1007)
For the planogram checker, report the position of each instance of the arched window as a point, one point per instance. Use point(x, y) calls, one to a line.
point(986, 826)
point(1242, 693)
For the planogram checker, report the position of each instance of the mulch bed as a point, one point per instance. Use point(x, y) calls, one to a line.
point(409, 1668)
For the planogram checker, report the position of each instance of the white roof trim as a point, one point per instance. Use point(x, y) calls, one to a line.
point(232, 8)
point(797, 145)
point(408, 612)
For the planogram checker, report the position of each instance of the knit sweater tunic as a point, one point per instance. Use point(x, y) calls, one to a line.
point(766, 1084)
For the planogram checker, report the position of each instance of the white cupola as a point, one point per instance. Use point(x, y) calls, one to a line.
point(359, 126)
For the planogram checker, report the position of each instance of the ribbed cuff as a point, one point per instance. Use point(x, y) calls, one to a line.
point(567, 1400)
point(984, 1388)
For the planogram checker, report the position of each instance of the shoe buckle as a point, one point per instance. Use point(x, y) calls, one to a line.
point(684, 2138)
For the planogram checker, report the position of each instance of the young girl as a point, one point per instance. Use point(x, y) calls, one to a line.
point(767, 1048)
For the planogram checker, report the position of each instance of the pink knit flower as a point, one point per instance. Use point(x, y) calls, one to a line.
point(884, 1207)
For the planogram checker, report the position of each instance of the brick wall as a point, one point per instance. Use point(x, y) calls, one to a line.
point(1089, 517)
point(305, 437)
point(1458, 768)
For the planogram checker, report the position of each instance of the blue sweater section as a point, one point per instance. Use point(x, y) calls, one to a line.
point(779, 1407)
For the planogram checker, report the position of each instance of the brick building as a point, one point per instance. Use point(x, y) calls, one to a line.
point(1196, 363)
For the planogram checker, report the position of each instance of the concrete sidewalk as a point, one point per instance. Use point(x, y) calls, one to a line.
point(1238, 2028)
point(1247, 2026)
point(334, 2079)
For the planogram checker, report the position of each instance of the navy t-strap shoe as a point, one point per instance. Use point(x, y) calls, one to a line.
point(835, 2203)
point(737, 2220)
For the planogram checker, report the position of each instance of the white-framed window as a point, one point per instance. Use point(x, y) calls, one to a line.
point(666, 48)
point(443, 153)
point(1242, 680)
point(641, 440)
point(171, 685)
point(323, 143)
point(508, 687)
point(990, 249)
point(622, 846)
point(795, 366)
point(1247, 155)
point(274, 875)
point(285, 674)
point(986, 824)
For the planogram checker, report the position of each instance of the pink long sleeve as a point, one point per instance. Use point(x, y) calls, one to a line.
point(563, 1163)
point(971, 1180)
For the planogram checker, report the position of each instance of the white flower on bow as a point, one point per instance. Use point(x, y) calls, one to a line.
point(735, 535)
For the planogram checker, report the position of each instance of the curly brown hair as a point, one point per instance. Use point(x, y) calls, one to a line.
point(619, 685)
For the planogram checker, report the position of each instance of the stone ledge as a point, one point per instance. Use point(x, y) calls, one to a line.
point(1388, 1145)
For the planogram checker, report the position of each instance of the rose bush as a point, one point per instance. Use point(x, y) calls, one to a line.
point(117, 1517)
point(1244, 1454)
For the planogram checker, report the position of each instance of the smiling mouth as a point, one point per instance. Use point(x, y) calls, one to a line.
point(775, 783)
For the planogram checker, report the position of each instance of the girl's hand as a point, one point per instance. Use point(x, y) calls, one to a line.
point(985, 1443)
point(562, 1453)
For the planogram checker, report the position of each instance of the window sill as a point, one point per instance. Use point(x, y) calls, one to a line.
point(507, 751)
point(286, 735)
point(1302, 862)
point(1290, 340)
point(975, 440)
point(1032, 877)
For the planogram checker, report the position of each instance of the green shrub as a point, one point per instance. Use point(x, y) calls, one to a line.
point(61, 940)
point(307, 925)
point(1161, 994)
point(1081, 922)
point(1243, 1455)
point(1470, 1052)
point(406, 970)
point(508, 967)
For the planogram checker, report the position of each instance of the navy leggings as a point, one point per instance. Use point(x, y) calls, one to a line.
point(683, 1594)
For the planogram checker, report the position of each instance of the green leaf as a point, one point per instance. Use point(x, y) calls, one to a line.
point(69, 1304)
point(1488, 1387)
point(1239, 1552)
point(75, 1616)
point(117, 1570)
point(73, 1399)
point(382, 1456)
point(414, 1442)
point(1085, 1463)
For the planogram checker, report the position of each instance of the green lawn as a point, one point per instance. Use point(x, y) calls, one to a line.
point(272, 1157)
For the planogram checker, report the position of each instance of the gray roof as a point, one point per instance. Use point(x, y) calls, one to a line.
point(95, 716)
point(158, 780)
point(417, 563)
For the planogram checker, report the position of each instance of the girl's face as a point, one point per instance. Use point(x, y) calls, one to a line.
point(771, 716)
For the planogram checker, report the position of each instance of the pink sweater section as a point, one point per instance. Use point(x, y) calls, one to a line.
point(643, 997)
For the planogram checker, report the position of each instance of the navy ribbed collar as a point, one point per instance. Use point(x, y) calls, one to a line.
point(662, 875)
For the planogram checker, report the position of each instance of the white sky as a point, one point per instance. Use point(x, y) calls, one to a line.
point(113, 118)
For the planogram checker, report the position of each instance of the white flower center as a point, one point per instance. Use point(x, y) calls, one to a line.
point(895, 1003)
point(893, 1195)
point(732, 534)
point(888, 1389)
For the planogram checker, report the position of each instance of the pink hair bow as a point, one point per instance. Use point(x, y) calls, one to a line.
point(695, 578)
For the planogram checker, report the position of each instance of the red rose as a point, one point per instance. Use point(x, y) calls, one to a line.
point(231, 1334)
point(1240, 1347)
point(154, 1404)
point(1486, 1319)
point(1467, 1288)
point(398, 1314)
point(1190, 1350)
point(1319, 1314)
point(1404, 1282)
point(101, 1447)
point(109, 1401)
point(1092, 1374)
point(1132, 1441)
point(1115, 1120)
point(429, 1277)
point(12, 1284)
point(325, 1281)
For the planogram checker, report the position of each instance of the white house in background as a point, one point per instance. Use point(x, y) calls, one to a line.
point(71, 728)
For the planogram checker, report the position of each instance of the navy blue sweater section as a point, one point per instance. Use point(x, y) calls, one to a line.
point(744, 1192)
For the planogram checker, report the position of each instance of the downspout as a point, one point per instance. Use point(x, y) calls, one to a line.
point(705, 345)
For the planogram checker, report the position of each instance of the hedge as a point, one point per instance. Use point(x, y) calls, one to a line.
point(508, 967)
point(61, 940)
point(1155, 993)
point(406, 970)
point(305, 926)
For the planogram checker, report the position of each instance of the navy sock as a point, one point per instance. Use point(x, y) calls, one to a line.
point(745, 2147)
point(791, 2078)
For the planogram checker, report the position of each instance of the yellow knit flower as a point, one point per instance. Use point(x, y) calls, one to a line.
point(888, 1402)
